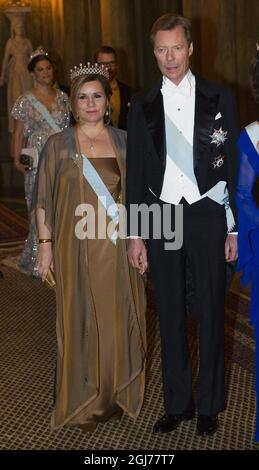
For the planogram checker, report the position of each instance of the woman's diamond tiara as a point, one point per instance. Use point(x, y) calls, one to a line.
point(39, 51)
point(89, 69)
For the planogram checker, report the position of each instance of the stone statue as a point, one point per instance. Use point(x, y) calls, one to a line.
point(16, 57)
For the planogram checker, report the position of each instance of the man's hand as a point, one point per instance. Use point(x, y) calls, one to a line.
point(231, 248)
point(137, 254)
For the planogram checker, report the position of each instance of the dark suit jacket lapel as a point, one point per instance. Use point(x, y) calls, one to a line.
point(205, 111)
point(204, 119)
point(155, 116)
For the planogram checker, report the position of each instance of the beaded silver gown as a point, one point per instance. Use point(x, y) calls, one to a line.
point(36, 132)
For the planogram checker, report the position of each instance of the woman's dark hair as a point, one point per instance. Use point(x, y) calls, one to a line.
point(32, 64)
point(254, 74)
point(79, 81)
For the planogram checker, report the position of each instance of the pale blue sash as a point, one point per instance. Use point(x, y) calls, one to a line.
point(103, 194)
point(253, 133)
point(181, 153)
point(44, 112)
point(179, 150)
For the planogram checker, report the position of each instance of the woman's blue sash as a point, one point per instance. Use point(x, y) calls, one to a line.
point(103, 194)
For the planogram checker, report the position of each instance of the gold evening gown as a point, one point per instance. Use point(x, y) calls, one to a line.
point(102, 267)
point(100, 299)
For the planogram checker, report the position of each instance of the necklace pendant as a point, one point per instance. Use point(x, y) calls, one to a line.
point(91, 147)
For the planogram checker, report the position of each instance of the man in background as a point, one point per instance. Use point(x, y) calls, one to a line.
point(121, 93)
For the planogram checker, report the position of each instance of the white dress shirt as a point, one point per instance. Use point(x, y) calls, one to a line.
point(179, 106)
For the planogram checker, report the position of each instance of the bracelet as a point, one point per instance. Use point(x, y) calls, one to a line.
point(45, 240)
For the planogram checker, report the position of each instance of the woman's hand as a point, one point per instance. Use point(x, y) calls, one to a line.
point(44, 260)
point(20, 167)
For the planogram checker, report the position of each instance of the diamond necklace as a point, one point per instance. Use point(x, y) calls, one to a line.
point(91, 145)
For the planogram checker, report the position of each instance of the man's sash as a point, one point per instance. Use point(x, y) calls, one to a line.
point(180, 152)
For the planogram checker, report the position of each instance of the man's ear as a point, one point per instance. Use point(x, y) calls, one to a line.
point(190, 49)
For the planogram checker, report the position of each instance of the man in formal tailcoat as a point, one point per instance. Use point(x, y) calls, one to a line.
point(182, 153)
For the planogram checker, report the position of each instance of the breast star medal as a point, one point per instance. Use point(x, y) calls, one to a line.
point(218, 161)
point(218, 137)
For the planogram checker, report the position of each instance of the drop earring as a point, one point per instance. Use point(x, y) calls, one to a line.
point(107, 115)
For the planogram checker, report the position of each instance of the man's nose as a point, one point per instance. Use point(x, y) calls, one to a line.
point(170, 54)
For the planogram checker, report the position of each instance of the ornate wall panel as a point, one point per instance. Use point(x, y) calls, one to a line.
point(225, 33)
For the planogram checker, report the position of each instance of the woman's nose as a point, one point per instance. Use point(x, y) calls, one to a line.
point(90, 101)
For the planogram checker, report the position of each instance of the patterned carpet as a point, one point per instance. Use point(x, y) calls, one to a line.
point(28, 350)
point(13, 227)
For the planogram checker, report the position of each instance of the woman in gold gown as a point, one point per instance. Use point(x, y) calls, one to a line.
point(100, 298)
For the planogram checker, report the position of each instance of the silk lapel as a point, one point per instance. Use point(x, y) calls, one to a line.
point(155, 117)
point(204, 120)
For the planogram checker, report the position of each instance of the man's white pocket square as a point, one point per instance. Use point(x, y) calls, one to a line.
point(218, 116)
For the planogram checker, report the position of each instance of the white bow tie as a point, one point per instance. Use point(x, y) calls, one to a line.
point(179, 90)
point(183, 89)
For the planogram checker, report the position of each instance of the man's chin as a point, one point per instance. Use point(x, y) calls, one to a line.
point(174, 77)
